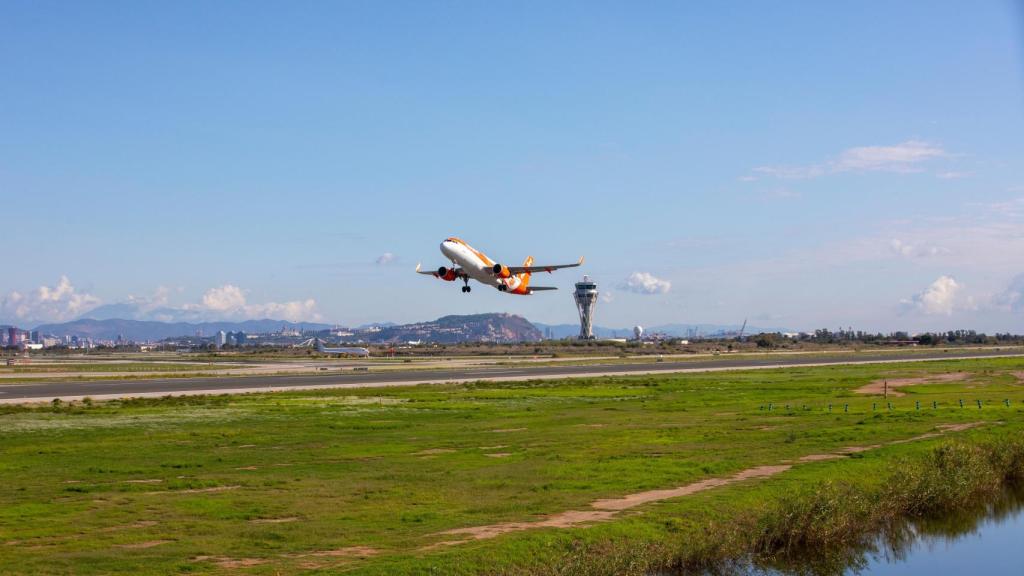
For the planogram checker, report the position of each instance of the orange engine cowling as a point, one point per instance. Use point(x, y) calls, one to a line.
point(447, 274)
point(501, 271)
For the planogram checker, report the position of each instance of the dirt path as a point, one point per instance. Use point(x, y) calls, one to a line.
point(879, 386)
point(606, 509)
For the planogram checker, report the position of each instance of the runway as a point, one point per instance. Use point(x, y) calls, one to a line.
point(110, 389)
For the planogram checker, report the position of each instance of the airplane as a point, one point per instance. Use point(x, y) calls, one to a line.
point(471, 264)
point(344, 351)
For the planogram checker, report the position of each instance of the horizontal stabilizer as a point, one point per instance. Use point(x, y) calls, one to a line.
point(536, 288)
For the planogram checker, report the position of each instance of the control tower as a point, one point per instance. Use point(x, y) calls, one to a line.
point(586, 297)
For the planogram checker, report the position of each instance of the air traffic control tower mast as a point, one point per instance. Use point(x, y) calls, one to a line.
point(586, 297)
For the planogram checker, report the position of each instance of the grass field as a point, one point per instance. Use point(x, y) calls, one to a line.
point(133, 366)
point(373, 481)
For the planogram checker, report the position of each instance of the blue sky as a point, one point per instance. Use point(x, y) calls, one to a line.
point(803, 164)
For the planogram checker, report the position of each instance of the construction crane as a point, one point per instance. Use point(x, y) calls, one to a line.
point(742, 330)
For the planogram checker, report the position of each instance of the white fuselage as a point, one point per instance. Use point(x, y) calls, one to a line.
point(476, 264)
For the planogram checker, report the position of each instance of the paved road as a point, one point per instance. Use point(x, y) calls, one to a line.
point(41, 391)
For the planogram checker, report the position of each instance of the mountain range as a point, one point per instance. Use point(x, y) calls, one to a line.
point(152, 330)
point(136, 323)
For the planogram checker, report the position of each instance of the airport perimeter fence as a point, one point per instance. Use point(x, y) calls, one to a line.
point(889, 406)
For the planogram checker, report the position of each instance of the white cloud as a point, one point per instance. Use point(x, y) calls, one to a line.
point(941, 297)
point(385, 258)
point(46, 304)
point(908, 156)
point(646, 283)
point(791, 172)
point(904, 157)
point(908, 250)
point(230, 301)
point(224, 299)
point(159, 299)
point(1013, 297)
point(952, 175)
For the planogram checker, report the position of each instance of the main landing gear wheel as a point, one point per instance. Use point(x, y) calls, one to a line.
point(466, 289)
point(502, 288)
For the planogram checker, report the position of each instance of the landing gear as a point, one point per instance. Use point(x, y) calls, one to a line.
point(502, 288)
point(466, 288)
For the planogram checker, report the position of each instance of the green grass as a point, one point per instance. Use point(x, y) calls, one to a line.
point(389, 469)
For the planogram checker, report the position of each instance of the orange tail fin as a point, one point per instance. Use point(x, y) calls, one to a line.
point(524, 278)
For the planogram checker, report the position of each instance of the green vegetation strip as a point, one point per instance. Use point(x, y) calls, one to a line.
point(376, 481)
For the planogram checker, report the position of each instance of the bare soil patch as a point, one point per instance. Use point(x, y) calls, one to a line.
point(819, 457)
point(196, 490)
point(506, 430)
point(350, 551)
point(275, 520)
point(878, 386)
point(225, 562)
point(498, 455)
point(433, 451)
point(141, 545)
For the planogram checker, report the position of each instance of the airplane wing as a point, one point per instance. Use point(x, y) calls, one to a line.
point(535, 268)
point(458, 271)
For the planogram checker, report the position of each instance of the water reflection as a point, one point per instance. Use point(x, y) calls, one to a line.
point(923, 546)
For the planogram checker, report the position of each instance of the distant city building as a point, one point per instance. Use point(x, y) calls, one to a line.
point(240, 338)
point(638, 332)
point(13, 336)
point(229, 339)
point(34, 336)
point(586, 298)
point(220, 339)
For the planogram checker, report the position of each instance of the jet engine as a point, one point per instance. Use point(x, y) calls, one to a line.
point(501, 271)
point(447, 274)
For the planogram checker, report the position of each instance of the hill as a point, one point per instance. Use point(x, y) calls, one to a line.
point(453, 329)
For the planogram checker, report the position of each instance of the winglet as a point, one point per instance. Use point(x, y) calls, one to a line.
point(580, 263)
point(418, 264)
